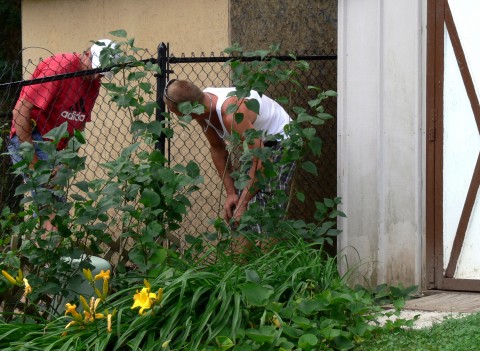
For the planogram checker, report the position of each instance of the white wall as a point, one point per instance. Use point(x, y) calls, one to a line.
point(381, 139)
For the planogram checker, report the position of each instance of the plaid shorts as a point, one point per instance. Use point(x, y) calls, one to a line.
point(280, 182)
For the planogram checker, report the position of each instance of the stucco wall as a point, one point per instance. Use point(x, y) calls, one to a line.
point(295, 24)
point(381, 138)
point(69, 25)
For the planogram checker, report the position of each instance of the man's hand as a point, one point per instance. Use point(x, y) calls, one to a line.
point(239, 211)
point(231, 203)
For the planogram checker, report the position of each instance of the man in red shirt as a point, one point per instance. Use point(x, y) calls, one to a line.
point(45, 106)
point(42, 107)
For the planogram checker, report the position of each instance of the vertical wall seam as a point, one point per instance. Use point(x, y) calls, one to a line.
point(381, 256)
point(420, 264)
point(342, 170)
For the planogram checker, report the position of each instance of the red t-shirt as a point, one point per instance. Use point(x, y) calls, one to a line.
point(67, 100)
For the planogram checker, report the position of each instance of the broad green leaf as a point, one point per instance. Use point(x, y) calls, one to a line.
point(309, 307)
point(231, 109)
point(253, 105)
point(150, 198)
point(315, 145)
point(57, 133)
point(303, 322)
point(252, 276)
point(307, 341)
point(119, 33)
point(80, 137)
point(330, 333)
point(136, 75)
point(263, 334)
point(224, 342)
point(343, 343)
point(309, 167)
point(257, 295)
point(300, 196)
point(292, 332)
point(238, 118)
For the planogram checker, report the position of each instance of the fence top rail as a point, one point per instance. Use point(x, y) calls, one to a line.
point(171, 60)
point(208, 59)
point(22, 83)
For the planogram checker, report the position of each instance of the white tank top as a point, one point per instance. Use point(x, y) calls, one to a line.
point(271, 119)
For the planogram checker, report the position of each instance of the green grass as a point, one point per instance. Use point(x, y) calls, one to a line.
point(452, 334)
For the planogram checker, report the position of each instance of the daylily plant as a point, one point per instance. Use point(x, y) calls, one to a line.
point(90, 314)
point(19, 280)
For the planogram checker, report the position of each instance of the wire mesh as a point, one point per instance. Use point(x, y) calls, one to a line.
point(108, 134)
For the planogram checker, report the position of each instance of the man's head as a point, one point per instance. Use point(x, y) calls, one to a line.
point(177, 91)
point(96, 51)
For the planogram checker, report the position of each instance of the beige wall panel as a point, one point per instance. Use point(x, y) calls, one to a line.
point(69, 25)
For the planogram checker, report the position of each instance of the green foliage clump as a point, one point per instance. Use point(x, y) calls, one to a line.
point(451, 334)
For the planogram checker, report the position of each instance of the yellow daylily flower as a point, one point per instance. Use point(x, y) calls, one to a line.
point(109, 323)
point(159, 295)
point(84, 303)
point(165, 344)
point(105, 288)
point(92, 317)
point(72, 309)
point(103, 275)
point(10, 279)
point(87, 273)
point(94, 303)
point(28, 288)
point(143, 299)
point(276, 321)
point(70, 324)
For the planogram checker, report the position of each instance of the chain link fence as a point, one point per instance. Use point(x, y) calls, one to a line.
point(109, 133)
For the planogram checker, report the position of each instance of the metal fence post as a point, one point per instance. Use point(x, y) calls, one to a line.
point(162, 61)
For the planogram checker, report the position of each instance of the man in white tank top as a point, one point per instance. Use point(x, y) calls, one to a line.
point(217, 123)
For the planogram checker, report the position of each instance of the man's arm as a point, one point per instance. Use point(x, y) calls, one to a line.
point(220, 158)
point(23, 123)
point(241, 127)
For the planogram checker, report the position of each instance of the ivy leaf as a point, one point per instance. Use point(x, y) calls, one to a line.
point(238, 118)
point(253, 105)
point(231, 108)
point(343, 343)
point(224, 342)
point(307, 341)
point(309, 167)
point(252, 276)
point(57, 133)
point(300, 196)
point(331, 93)
point(136, 75)
point(265, 333)
point(150, 198)
point(119, 33)
point(82, 185)
point(316, 146)
point(79, 136)
point(257, 295)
